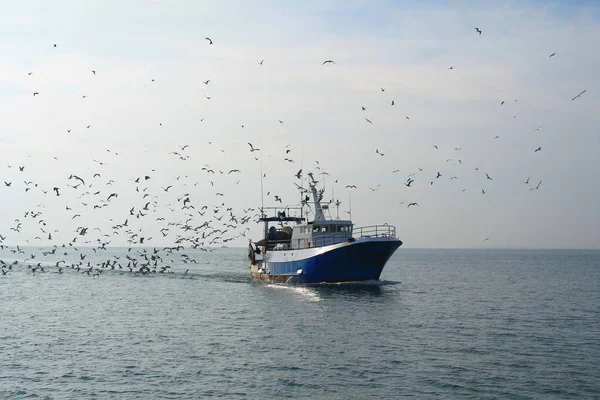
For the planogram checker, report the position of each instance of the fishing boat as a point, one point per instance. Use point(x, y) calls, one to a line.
point(296, 250)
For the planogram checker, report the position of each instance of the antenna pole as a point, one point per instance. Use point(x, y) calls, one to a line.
point(262, 200)
point(350, 204)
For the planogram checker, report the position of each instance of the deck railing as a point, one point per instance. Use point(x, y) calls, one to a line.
point(363, 232)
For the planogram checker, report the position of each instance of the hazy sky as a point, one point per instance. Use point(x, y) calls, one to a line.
point(405, 48)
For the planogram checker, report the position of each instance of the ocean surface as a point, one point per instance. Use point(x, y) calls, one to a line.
point(482, 324)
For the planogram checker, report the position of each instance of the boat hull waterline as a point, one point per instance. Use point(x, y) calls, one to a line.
point(352, 261)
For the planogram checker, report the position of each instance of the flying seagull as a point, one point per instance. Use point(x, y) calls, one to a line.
point(209, 40)
point(328, 62)
point(537, 187)
point(412, 204)
point(478, 30)
point(552, 55)
point(368, 120)
point(579, 95)
point(252, 147)
point(538, 149)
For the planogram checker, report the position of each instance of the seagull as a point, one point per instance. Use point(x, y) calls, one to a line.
point(526, 182)
point(486, 239)
point(538, 149)
point(436, 146)
point(351, 187)
point(209, 40)
point(328, 62)
point(478, 30)
point(502, 103)
point(261, 63)
point(409, 182)
point(93, 72)
point(36, 94)
point(252, 147)
point(363, 108)
point(579, 95)
point(206, 82)
point(438, 175)
point(537, 187)
point(552, 55)
point(378, 152)
point(451, 68)
point(393, 103)
point(412, 204)
point(368, 120)
point(488, 177)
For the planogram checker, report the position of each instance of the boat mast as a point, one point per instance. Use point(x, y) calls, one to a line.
point(319, 216)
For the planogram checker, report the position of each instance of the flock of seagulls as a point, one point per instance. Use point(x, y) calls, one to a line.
point(170, 207)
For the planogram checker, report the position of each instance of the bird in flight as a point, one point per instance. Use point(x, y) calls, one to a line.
point(538, 149)
point(378, 152)
point(36, 94)
point(409, 182)
point(537, 187)
point(206, 82)
point(261, 62)
point(488, 177)
point(486, 239)
point(368, 120)
point(478, 30)
point(393, 102)
point(209, 40)
point(552, 55)
point(252, 147)
point(579, 95)
point(328, 62)
point(527, 181)
point(412, 204)
point(351, 187)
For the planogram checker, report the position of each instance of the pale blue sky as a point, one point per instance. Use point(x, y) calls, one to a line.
point(404, 47)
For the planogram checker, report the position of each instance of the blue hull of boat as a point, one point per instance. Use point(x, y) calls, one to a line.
point(356, 262)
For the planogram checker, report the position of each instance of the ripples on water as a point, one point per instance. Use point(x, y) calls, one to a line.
point(442, 323)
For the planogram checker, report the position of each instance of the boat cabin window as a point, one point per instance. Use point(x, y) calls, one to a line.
point(344, 228)
point(321, 229)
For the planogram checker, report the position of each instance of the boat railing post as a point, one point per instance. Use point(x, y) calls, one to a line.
point(375, 230)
